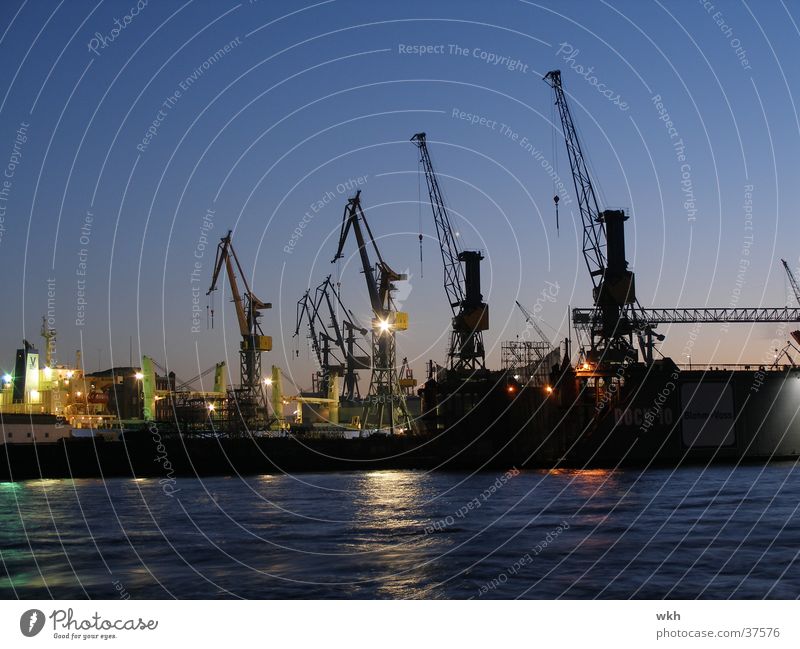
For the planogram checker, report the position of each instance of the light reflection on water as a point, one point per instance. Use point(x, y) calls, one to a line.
point(716, 533)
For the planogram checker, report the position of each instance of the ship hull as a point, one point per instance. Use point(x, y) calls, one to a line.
point(660, 417)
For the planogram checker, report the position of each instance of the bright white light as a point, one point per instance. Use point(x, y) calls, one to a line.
point(384, 325)
point(138, 376)
point(7, 378)
point(268, 382)
point(211, 407)
point(70, 374)
point(34, 394)
point(48, 373)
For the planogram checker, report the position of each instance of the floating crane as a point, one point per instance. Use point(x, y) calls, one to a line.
point(385, 395)
point(335, 344)
point(250, 395)
point(784, 351)
point(615, 320)
point(462, 284)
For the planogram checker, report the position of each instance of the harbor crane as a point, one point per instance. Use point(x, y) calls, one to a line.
point(308, 310)
point(250, 395)
point(462, 283)
point(335, 344)
point(385, 402)
point(615, 320)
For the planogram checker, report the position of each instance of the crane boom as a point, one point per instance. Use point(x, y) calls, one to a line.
point(353, 217)
point(792, 280)
point(532, 321)
point(461, 282)
point(593, 230)
point(448, 242)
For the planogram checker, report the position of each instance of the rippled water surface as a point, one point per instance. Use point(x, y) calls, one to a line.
point(695, 532)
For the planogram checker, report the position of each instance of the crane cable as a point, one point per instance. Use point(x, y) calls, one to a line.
point(419, 212)
point(555, 162)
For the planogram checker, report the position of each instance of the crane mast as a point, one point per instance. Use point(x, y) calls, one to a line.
point(385, 403)
point(250, 397)
point(614, 321)
point(461, 282)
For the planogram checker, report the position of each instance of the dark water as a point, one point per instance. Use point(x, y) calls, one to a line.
point(716, 533)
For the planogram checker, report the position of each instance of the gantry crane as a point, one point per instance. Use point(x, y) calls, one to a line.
point(335, 344)
point(385, 396)
point(615, 319)
point(462, 284)
point(250, 395)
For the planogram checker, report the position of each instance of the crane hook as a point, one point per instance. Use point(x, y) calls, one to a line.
point(555, 201)
point(420, 256)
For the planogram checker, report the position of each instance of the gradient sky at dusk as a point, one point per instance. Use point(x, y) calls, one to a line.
point(310, 96)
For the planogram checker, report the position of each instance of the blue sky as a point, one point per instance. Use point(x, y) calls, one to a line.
point(309, 96)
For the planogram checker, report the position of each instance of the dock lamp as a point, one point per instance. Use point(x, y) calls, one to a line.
point(7, 378)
